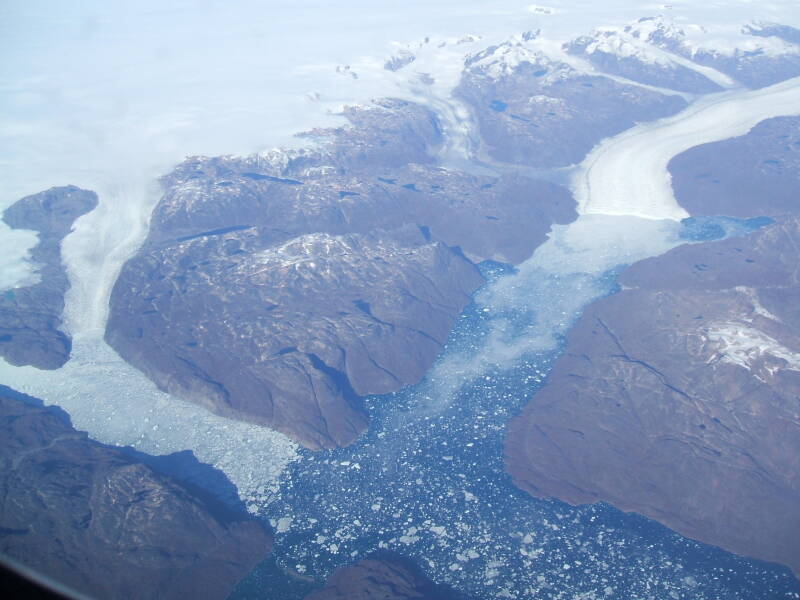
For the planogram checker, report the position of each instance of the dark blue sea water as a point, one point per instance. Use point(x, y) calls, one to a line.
point(427, 482)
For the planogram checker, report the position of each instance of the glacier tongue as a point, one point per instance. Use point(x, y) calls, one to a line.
point(627, 174)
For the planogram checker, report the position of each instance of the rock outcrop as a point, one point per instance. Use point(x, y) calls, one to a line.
point(760, 57)
point(280, 290)
point(93, 518)
point(30, 316)
point(534, 111)
point(619, 53)
point(757, 174)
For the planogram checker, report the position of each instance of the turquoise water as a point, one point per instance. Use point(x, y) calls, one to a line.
point(706, 229)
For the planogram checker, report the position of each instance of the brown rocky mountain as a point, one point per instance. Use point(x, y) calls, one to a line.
point(753, 67)
point(280, 292)
point(677, 397)
point(380, 578)
point(102, 523)
point(747, 176)
point(531, 110)
point(606, 51)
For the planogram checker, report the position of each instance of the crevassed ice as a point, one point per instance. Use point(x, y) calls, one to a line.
point(627, 174)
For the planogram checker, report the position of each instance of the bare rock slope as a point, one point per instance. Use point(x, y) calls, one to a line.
point(104, 524)
point(282, 289)
point(677, 397)
point(532, 110)
point(751, 175)
point(380, 578)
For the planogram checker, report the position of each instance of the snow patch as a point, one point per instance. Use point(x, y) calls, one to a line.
point(743, 345)
point(541, 10)
point(758, 308)
point(721, 39)
point(118, 405)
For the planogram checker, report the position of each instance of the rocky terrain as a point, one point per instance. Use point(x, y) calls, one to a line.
point(619, 53)
point(764, 55)
point(677, 397)
point(30, 316)
point(282, 289)
point(784, 32)
point(536, 111)
point(107, 525)
point(380, 578)
point(752, 175)
point(657, 51)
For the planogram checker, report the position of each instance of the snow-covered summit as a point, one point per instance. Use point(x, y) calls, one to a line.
point(754, 55)
point(504, 59)
point(611, 40)
point(629, 53)
point(693, 40)
point(400, 59)
point(659, 30)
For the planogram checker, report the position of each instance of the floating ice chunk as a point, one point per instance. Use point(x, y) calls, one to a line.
point(283, 524)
